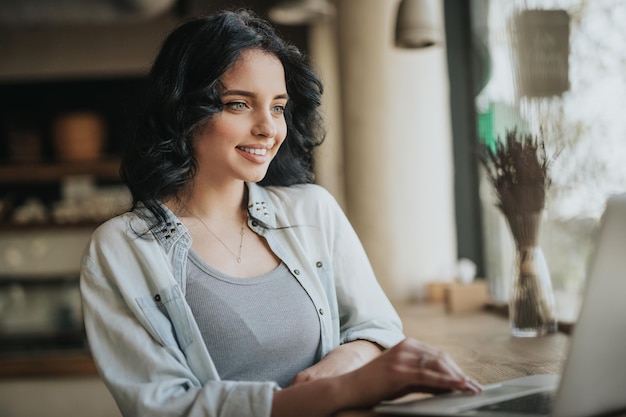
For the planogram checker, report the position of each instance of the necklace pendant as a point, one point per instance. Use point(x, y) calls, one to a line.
point(241, 234)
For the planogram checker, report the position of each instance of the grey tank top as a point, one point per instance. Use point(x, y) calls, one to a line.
point(262, 328)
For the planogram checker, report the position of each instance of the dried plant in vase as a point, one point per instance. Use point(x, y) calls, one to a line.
point(518, 170)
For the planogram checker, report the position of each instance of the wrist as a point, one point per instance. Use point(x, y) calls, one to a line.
point(354, 391)
point(317, 398)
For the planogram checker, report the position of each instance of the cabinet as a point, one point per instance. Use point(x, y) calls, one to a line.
point(46, 181)
point(50, 202)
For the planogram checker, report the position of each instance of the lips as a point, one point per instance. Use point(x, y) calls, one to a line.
point(253, 151)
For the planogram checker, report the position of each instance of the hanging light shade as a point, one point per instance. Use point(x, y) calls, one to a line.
point(301, 12)
point(418, 24)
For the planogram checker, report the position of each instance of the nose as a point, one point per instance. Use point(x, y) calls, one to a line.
point(264, 125)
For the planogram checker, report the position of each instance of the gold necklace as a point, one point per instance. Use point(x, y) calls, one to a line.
point(243, 232)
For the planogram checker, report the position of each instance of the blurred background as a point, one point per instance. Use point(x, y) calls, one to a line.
point(412, 88)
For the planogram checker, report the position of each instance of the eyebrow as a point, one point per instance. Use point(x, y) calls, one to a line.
point(250, 94)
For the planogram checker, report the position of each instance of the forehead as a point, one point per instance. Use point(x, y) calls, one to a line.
point(255, 67)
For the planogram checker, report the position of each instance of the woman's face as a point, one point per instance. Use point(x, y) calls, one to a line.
point(240, 142)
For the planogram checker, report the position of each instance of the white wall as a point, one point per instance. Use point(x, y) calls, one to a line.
point(398, 149)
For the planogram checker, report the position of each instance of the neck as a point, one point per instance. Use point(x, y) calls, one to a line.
point(211, 202)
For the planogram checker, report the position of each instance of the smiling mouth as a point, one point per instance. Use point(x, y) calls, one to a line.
point(253, 151)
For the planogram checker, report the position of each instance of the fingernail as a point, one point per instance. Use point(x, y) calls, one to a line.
point(476, 386)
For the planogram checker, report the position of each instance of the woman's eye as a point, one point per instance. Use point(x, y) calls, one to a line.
point(278, 109)
point(237, 105)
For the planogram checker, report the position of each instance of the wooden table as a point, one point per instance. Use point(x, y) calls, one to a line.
point(480, 342)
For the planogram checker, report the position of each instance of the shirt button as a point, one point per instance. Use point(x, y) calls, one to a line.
point(321, 311)
point(319, 264)
point(296, 271)
point(157, 298)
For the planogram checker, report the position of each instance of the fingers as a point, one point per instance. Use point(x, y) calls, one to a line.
point(410, 366)
point(300, 378)
point(474, 385)
point(442, 363)
point(434, 368)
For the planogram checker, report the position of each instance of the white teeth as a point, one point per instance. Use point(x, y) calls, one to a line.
point(254, 151)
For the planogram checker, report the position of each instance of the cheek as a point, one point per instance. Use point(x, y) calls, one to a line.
point(281, 133)
point(222, 128)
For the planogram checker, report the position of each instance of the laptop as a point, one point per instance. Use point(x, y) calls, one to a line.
point(593, 379)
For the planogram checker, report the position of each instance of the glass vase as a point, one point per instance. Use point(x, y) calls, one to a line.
point(532, 306)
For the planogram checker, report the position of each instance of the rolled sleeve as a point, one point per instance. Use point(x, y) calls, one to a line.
point(365, 312)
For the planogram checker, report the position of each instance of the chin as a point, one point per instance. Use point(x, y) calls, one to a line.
point(255, 178)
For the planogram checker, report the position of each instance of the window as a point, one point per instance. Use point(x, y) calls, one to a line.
point(577, 104)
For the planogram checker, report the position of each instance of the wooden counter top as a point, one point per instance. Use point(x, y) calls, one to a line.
point(481, 343)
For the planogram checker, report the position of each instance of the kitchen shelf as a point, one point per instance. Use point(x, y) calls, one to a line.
point(52, 364)
point(50, 172)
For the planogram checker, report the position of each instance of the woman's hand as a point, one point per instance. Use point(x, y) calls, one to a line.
point(341, 360)
point(409, 366)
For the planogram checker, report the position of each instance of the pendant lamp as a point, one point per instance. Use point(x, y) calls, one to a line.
point(301, 12)
point(418, 24)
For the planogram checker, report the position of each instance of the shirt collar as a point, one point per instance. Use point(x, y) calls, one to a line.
point(260, 207)
point(167, 232)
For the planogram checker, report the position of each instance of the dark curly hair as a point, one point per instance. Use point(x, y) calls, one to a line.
point(182, 92)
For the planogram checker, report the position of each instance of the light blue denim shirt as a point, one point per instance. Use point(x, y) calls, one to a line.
point(144, 338)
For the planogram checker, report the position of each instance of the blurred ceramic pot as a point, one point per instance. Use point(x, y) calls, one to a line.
point(79, 136)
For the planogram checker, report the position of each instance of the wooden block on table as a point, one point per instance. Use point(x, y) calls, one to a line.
point(437, 291)
point(460, 298)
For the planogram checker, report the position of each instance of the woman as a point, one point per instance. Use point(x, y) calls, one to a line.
point(234, 287)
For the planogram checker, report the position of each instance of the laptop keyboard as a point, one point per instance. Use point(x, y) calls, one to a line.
point(537, 403)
